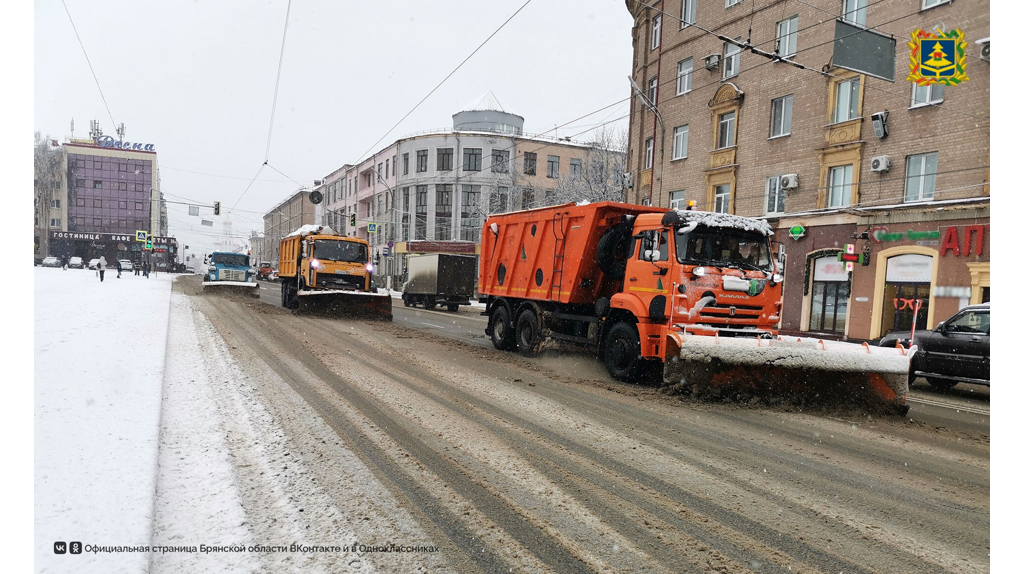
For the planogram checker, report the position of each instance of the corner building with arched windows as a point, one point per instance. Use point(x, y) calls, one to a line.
point(830, 157)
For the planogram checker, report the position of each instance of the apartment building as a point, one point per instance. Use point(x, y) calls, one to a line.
point(430, 192)
point(830, 157)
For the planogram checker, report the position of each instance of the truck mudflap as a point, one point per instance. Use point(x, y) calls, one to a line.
point(808, 372)
point(249, 287)
point(373, 305)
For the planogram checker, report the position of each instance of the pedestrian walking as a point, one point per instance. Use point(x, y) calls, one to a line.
point(102, 266)
point(118, 268)
point(145, 269)
point(138, 268)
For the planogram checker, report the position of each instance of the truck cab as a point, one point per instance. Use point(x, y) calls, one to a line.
point(233, 267)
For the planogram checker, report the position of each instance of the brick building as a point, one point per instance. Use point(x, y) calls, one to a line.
point(741, 133)
point(282, 219)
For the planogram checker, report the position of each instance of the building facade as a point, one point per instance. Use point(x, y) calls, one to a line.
point(830, 157)
point(430, 192)
point(282, 219)
point(109, 190)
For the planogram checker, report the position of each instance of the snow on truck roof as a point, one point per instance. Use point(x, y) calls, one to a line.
point(714, 219)
point(313, 230)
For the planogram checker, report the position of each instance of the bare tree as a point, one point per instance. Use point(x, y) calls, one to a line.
point(599, 176)
point(48, 182)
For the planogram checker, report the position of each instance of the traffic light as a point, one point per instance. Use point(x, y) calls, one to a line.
point(149, 244)
point(352, 220)
point(216, 208)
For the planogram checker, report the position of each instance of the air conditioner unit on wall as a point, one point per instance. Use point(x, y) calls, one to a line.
point(789, 181)
point(881, 163)
point(985, 52)
point(711, 61)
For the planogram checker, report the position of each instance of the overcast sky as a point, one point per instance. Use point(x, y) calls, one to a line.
point(197, 80)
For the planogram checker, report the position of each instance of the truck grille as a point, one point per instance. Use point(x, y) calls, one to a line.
point(736, 318)
point(327, 281)
point(231, 275)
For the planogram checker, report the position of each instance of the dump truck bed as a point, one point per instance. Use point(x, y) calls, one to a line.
point(549, 254)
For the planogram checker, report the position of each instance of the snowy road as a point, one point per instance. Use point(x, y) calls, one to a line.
point(335, 432)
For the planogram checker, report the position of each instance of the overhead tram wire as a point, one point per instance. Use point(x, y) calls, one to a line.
point(367, 152)
point(772, 57)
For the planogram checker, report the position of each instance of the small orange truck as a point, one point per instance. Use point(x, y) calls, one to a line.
point(319, 267)
point(697, 293)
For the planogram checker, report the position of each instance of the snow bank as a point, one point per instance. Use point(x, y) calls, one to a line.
point(99, 361)
point(310, 228)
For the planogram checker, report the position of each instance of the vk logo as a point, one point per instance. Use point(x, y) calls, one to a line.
point(60, 547)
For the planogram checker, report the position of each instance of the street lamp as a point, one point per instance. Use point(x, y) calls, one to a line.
point(661, 159)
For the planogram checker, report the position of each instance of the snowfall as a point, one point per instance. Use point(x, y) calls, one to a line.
point(128, 452)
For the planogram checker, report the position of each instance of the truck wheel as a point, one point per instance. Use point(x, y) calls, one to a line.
point(503, 336)
point(293, 295)
point(405, 300)
point(527, 333)
point(206, 278)
point(284, 295)
point(429, 303)
point(622, 352)
point(453, 307)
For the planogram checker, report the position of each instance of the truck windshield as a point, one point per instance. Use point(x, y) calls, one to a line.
point(724, 247)
point(231, 259)
point(337, 250)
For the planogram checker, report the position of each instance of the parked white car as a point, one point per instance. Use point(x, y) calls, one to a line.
point(75, 262)
point(51, 262)
point(126, 265)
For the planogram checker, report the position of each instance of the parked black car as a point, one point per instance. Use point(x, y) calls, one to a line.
point(957, 351)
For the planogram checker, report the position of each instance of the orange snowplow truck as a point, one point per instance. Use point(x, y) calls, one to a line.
point(642, 286)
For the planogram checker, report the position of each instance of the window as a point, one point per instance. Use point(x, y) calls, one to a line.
point(839, 183)
point(97, 203)
point(443, 212)
point(926, 95)
point(782, 116)
point(97, 222)
point(649, 153)
point(684, 76)
point(405, 163)
point(421, 161)
point(530, 163)
point(79, 183)
point(847, 100)
point(722, 193)
point(528, 202)
point(499, 200)
point(97, 184)
point(829, 296)
point(122, 205)
point(469, 224)
point(921, 171)
point(97, 164)
point(55, 186)
point(731, 66)
point(122, 186)
point(421, 212)
point(655, 32)
point(139, 205)
point(472, 157)
point(405, 213)
point(553, 166)
point(55, 222)
point(680, 141)
point(855, 12)
point(925, 4)
point(785, 37)
point(688, 13)
point(676, 200)
point(652, 90)
point(80, 202)
point(444, 159)
point(575, 168)
point(726, 130)
point(54, 204)
point(387, 168)
point(499, 161)
point(122, 166)
point(729, 3)
point(775, 196)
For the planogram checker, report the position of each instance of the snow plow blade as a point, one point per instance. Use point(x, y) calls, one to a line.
point(346, 303)
point(242, 287)
point(804, 372)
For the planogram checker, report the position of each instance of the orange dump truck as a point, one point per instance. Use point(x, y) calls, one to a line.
point(695, 292)
point(321, 268)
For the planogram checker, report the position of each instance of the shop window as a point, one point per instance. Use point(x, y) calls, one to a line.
point(830, 293)
point(907, 279)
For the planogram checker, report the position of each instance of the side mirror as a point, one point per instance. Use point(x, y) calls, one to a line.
point(941, 327)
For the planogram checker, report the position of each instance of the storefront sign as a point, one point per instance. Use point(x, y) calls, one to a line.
point(797, 231)
point(910, 268)
point(828, 269)
point(73, 235)
point(973, 235)
point(109, 141)
point(881, 233)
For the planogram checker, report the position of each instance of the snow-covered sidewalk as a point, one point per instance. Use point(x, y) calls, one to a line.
point(99, 362)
